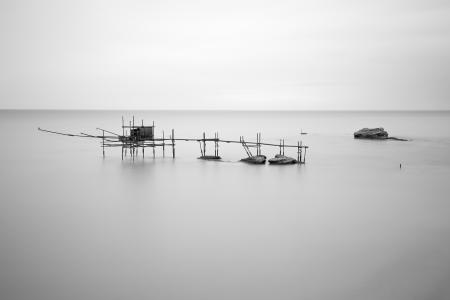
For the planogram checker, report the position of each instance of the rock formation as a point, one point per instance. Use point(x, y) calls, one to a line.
point(257, 159)
point(371, 133)
point(282, 160)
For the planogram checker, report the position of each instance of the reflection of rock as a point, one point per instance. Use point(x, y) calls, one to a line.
point(282, 160)
point(257, 159)
point(371, 133)
point(210, 157)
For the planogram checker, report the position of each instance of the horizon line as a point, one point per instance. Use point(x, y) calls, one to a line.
point(227, 110)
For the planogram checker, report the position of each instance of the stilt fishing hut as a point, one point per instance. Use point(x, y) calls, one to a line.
point(138, 137)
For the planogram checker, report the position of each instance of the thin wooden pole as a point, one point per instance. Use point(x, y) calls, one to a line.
point(123, 135)
point(173, 143)
point(283, 146)
point(131, 146)
point(201, 150)
point(126, 144)
point(204, 144)
point(153, 136)
point(300, 149)
point(217, 144)
point(103, 139)
point(259, 143)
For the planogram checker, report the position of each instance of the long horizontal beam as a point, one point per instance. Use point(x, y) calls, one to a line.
point(109, 139)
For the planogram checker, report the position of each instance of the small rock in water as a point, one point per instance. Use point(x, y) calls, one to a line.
point(282, 160)
point(371, 133)
point(210, 157)
point(257, 159)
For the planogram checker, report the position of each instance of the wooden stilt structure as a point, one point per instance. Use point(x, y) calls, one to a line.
point(135, 136)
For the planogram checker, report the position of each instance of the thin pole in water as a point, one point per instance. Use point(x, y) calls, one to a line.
point(173, 143)
point(103, 140)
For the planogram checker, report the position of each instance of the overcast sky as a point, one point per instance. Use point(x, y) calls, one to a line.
point(244, 54)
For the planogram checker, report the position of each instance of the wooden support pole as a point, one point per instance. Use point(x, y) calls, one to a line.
point(259, 143)
point(283, 146)
point(201, 150)
point(204, 144)
point(153, 137)
point(124, 144)
point(217, 142)
point(123, 127)
point(103, 143)
point(143, 143)
point(300, 152)
point(123, 135)
point(173, 143)
point(280, 146)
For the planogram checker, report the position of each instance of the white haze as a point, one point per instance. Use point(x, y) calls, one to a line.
point(225, 54)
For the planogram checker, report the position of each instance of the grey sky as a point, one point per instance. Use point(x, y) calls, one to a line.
point(225, 54)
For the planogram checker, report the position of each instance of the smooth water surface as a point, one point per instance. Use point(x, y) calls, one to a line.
point(349, 224)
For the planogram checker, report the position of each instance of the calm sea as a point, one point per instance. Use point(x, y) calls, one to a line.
point(349, 224)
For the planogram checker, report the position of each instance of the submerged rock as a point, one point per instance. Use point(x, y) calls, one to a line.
point(371, 133)
point(282, 160)
point(257, 159)
point(210, 157)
